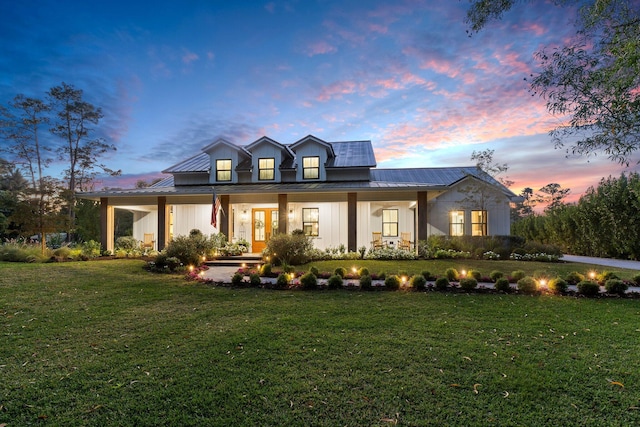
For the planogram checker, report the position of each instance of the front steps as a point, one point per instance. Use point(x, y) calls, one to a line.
point(248, 260)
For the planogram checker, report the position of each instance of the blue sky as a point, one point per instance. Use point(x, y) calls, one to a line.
point(173, 76)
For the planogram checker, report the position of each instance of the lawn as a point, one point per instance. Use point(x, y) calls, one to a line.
point(107, 343)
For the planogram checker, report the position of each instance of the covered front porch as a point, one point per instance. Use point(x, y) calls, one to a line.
point(331, 219)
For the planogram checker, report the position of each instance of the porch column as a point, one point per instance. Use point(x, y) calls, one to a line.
point(163, 224)
point(423, 221)
point(352, 222)
point(283, 214)
point(225, 217)
point(106, 224)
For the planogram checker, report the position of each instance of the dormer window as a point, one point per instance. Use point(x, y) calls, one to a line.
point(266, 169)
point(311, 167)
point(223, 170)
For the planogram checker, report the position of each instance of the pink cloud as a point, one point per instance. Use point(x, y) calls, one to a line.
point(320, 48)
point(337, 90)
point(189, 57)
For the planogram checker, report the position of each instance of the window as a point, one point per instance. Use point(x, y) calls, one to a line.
point(310, 167)
point(223, 170)
point(478, 223)
point(456, 223)
point(390, 222)
point(266, 169)
point(310, 221)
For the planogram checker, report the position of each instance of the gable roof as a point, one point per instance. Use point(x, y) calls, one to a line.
point(350, 154)
point(198, 163)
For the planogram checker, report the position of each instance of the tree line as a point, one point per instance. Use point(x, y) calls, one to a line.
point(605, 222)
point(58, 129)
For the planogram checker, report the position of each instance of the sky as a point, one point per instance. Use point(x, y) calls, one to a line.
point(173, 76)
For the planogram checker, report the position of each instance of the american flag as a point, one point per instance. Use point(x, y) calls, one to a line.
point(215, 206)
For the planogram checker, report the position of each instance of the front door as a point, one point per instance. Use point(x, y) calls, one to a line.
point(264, 224)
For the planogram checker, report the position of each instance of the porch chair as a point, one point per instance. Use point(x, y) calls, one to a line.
point(376, 243)
point(405, 241)
point(148, 241)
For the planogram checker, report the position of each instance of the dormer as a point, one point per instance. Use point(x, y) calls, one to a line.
point(225, 159)
point(312, 156)
point(269, 159)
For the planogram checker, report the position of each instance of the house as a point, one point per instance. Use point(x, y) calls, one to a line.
point(333, 191)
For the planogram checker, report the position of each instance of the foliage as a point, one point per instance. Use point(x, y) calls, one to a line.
point(494, 247)
point(592, 80)
point(291, 248)
point(527, 285)
point(426, 274)
point(340, 271)
point(265, 270)
point(601, 224)
point(616, 286)
point(22, 251)
point(452, 274)
point(475, 274)
point(309, 281)
point(468, 283)
point(636, 279)
point(335, 282)
point(495, 275)
point(365, 282)
point(236, 279)
point(558, 285)
point(314, 270)
point(502, 285)
point(418, 282)
point(442, 283)
point(282, 281)
point(91, 249)
point(392, 282)
point(605, 275)
point(390, 253)
point(191, 249)
point(588, 288)
point(254, 280)
point(127, 243)
point(517, 275)
point(363, 271)
point(574, 278)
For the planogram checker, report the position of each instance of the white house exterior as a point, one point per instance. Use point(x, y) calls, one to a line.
point(331, 190)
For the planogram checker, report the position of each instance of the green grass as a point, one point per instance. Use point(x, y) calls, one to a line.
point(106, 343)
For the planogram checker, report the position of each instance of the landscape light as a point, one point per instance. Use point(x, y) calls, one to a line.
point(463, 273)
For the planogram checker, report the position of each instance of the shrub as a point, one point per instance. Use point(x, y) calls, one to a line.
point(265, 270)
point(335, 282)
point(502, 285)
point(527, 285)
point(574, 278)
point(127, 243)
point(314, 270)
point(364, 271)
point(588, 288)
point(382, 275)
point(236, 279)
point(418, 282)
point(427, 275)
point(636, 279)
point(452, 274)
point(173, 263)
point(309, 281)
point(63, 252)
point(392, 283)
point(91, 249)
point(442, 283)
point(365, 282)
point(294, 248)
point(495, 275)
point(282, 281)
point(517, 275)
point(189, 249)
point(254, 280)
point(475, 274)
point(616, 286)
point(468, 283)
point(607, 275)
point(340, 271)
point(558, 286)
